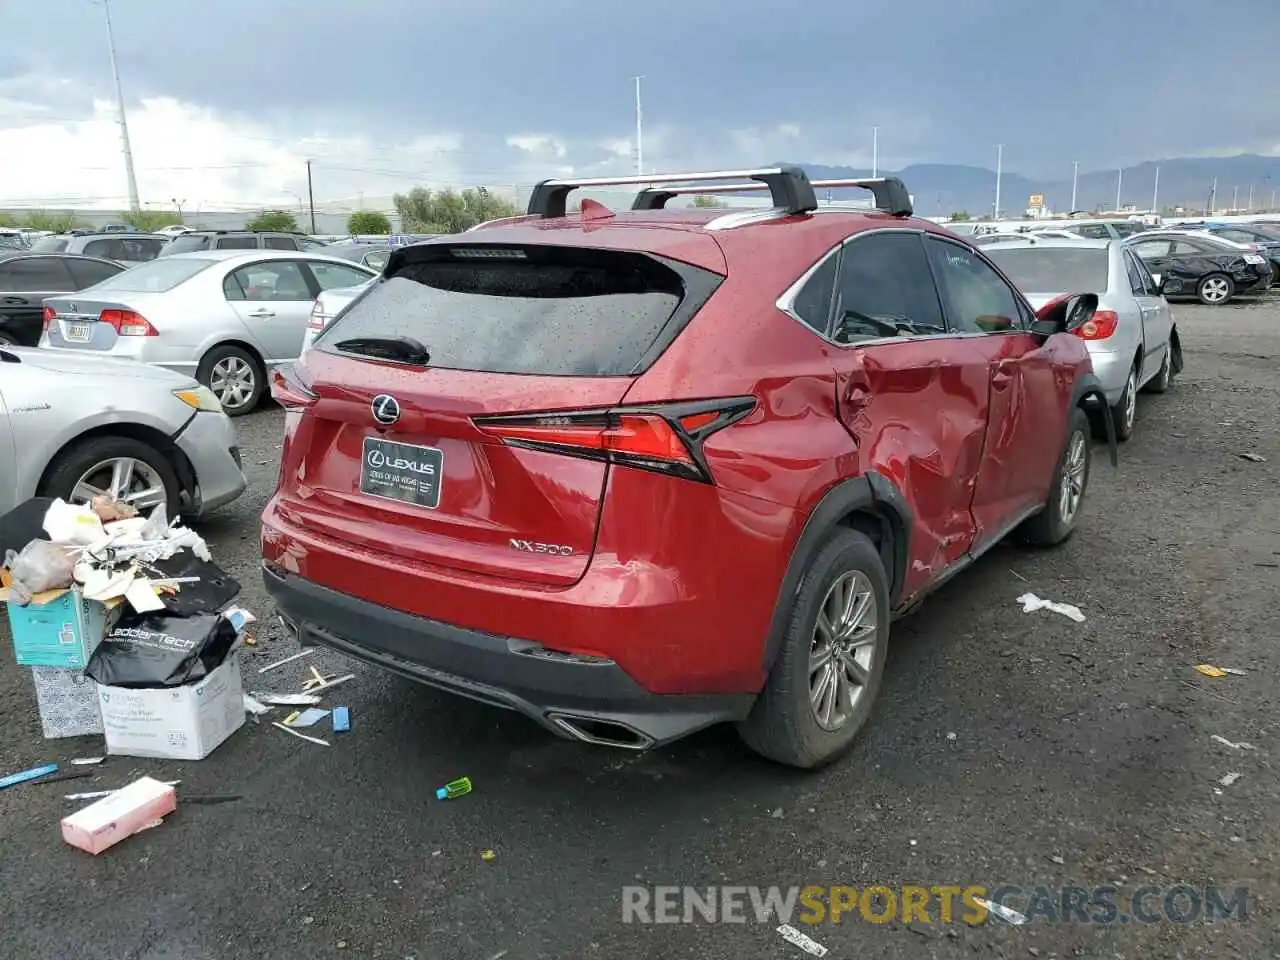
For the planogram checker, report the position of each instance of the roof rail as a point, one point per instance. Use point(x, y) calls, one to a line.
point(889, 193)
point(788, 184)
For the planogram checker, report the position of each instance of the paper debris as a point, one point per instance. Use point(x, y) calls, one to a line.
point(1030, 603)
point(1006, 914)
point(280, 663)
point(1234, 671)
point(307, 718)
point(1230, 778)
point(1234, 746)
point(1209, 670)
point(255, 707)
point(87, 761)
point(142, 597)
point(803, 941)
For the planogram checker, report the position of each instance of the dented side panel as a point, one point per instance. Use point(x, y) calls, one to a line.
point(918, 412)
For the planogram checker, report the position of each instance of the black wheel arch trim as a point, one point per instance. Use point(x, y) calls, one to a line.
point(1088, 387)
point(872, 494)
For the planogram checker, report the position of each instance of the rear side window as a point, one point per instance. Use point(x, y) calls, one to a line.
point(187, 244)
point(885, 288)
point(813, 303)
point(560, 311)
point(88, 272)
point(39, 275)
point(238, 243)
point(280, 243)
point(112, 249)
point(1128, 228)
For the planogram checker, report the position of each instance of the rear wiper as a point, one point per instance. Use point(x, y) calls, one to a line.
point(397, 349)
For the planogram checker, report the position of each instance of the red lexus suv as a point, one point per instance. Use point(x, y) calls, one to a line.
point(633, 474)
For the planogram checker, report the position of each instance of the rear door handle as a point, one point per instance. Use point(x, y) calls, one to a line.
point(262, 314)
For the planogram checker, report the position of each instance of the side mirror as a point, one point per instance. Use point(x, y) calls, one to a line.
point(1065, 314)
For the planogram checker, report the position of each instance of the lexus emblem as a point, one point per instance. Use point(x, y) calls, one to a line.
point(386, 408)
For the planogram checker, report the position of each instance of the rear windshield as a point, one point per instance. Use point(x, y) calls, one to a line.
point(186, 244)
point(155, 276)
point(49, 245)
point(1053, 269)
point(534, 309)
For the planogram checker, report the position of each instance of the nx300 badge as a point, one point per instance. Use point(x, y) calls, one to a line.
point(532, 546)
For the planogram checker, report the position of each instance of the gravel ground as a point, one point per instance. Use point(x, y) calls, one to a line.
point(1007, 748)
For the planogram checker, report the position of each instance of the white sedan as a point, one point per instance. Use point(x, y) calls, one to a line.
point(225, 317)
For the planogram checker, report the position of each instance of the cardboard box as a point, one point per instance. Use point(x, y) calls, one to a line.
point(58, 628)
point(174, 723)
point(112, 819)
point(68, 703)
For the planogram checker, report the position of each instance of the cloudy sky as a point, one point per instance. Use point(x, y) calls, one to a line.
point(226, 101)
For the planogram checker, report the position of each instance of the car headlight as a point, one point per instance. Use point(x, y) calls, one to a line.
point(199, 398)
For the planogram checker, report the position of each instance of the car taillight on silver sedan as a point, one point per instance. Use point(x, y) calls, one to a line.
point(318, 317)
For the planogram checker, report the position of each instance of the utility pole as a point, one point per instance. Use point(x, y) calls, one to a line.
point(1075, 179)
point(1235, 197)
point(1213, 197)
point(1119, 185)
point(999, 172)
point(1155, 194)
point(1249, 205)
point(134, 205)
point(639, 131)
point(875, 151)
point(311, 198)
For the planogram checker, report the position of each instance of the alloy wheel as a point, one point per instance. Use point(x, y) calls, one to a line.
point(841, 649)
point(232, 381)
point(125, 479)
point(1072, 489)
point(1215, 289)
point(1130, 400)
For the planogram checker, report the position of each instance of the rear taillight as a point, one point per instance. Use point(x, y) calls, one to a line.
point(49, 315)
point(1099, 327)
point(318, 317)
point(126, 323)
point(288, 390)
point(666, 438)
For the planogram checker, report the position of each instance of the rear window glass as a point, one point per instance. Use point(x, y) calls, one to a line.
point(186, 244)
point(534, 310)
point(155, 276)
point(1053, 269)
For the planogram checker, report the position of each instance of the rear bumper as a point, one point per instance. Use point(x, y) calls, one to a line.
point(581, 698)
point(1112, 370)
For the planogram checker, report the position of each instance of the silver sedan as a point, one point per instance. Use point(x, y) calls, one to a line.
point(225, 317)
point(1132, 339)
point(74, 426)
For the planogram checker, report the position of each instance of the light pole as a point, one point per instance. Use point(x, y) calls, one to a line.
point(875, 151)
point(1249, 205)
point(1155, 194)
point(1235, 198)
point(1075, 179)
point(1119, 186)
point(999, 172)
point(178, 203)
point(639, 131)
point(124, 125)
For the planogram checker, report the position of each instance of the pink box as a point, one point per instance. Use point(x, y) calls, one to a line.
point(124, 813)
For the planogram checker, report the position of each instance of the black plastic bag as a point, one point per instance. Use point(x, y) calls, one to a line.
point(160, 650)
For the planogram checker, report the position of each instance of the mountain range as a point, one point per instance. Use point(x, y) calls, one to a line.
point(941, 189)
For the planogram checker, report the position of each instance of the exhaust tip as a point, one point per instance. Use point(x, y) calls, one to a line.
point(605, 733)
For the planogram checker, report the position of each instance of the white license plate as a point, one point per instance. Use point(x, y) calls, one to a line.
point(77, 332)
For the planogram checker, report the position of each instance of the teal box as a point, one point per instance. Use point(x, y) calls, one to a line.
point(62, 632)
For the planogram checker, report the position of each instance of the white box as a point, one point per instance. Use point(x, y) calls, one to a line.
point(68, 703)
point(174, 723)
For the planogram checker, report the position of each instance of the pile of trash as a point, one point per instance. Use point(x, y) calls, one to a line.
point(126, 625)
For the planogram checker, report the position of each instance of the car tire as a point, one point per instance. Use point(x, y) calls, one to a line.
point(236, 378)
point(784, 724)
point(1215, 289)
point(1057, 521)
point(1161, 381)
point(1125, 413)
point(82, 456)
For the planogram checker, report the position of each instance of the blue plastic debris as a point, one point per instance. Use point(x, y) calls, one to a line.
point(33, 774)
point(341, 719)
